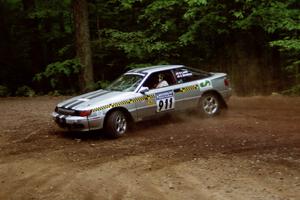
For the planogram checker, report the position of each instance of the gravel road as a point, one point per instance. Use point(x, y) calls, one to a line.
point(251, 151)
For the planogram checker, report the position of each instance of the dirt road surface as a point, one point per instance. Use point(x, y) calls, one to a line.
point(251, 151)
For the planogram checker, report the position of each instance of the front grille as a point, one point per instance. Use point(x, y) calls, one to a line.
point(63, 124)
point(64, 111)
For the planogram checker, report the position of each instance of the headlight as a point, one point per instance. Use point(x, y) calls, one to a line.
point(85, 113)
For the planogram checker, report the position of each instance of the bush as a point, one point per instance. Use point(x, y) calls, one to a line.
point(294, 91)
point(101, 85)
point(25, 91)
point(54, 93)
point(98, 85)
point(62, 76)
point(4, 92)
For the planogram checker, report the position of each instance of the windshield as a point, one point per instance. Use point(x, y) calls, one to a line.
point(126, 83)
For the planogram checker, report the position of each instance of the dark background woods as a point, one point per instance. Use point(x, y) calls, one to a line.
point(65, 46)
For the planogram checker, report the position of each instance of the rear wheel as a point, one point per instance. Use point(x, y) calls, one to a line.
point(116, 124)
point(210, 105)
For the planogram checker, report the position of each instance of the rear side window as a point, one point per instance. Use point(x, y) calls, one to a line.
point(184, 75)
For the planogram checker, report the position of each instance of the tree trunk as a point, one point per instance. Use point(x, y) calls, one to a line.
point(83, 46)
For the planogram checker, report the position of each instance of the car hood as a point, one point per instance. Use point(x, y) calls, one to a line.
point(93, 99)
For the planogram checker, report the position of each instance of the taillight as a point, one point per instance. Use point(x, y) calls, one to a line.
point(226, 82)
point(85, 113)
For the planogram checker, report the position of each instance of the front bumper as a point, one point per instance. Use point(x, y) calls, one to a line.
point(78, 123)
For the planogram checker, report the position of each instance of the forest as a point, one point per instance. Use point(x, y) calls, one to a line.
point(59, 47)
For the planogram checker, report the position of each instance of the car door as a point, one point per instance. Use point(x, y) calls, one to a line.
point(157, 100)
point(187, 91)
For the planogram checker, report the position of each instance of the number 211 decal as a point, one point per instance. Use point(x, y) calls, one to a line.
point(165, 101)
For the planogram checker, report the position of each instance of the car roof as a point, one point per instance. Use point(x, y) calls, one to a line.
point(155, 68)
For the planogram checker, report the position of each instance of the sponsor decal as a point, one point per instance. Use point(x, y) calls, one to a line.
point(205, 84)
point(182, 74)
point(165, 101)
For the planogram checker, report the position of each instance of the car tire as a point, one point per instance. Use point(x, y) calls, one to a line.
point(116, 124)
point(210, 105)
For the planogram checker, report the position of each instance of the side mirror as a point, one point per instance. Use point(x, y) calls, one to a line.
point(143, 90)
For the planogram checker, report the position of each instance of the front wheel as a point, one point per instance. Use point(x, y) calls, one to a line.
point(116, 124)
point(209, 105)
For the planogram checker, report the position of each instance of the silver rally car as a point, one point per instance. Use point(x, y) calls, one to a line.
point(144, 93)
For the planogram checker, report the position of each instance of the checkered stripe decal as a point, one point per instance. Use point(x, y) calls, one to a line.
point(130, 101)
point(189, 88)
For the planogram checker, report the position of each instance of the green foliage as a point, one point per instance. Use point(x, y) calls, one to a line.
point(278, 18)
point(32, 34)
point(291, 48)
point(127, 4)
point(138, 65)
point(135, 44)
point(61, 74)
point(293, 91)
point(101, 84)
point(193, 3)
point(25, 91)
point(271, 16)
point(4, 91)
point(55, 14)
point(141, 65)
point(54, 93)
point(287, 44)
point(199, 31)
point(220, 35)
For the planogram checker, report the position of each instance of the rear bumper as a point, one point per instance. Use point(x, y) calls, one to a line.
point(226, 94)
point(78, 123)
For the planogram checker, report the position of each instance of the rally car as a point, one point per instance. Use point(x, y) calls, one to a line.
point(144, 93)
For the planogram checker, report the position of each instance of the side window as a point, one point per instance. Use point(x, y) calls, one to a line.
point(160, 79)
point(185, 75)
